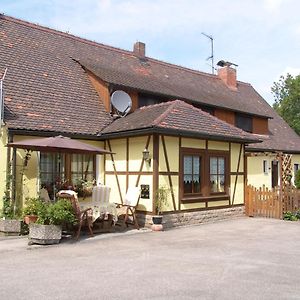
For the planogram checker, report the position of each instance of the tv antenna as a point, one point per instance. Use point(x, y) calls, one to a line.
point(211, 57)
point(122, 103)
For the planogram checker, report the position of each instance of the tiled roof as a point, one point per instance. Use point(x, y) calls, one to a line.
point(281, 136)
point(45, 89)
point(177, 117)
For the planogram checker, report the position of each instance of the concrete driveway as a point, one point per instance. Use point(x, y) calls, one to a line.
point(238, 259)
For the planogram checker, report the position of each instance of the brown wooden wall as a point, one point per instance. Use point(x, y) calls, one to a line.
point(101, 88)
point(225, 115)
point(260, 125)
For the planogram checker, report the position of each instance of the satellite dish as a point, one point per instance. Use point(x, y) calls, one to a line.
point(121, 101)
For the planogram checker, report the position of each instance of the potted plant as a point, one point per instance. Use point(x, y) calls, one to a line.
point(51, 216)
point(161, 199)
point(9, 221)
point(30, 212)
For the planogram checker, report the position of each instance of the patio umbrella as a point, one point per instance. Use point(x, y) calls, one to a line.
point(58, 144)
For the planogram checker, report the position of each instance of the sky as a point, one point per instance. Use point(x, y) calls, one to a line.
point(261, 36)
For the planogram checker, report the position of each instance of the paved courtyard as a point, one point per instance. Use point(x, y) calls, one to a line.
point(238, 259)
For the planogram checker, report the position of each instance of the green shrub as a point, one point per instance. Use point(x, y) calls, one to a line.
point(297, 179)
point(58, 213)
point(289, 216)
point(161, 198)
point(32, 206)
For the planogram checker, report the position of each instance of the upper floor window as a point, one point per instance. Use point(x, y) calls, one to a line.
point(244, 122)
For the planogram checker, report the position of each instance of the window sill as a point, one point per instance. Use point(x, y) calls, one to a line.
point(222, 197)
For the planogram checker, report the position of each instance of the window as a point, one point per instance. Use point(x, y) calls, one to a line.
point(148, 99)
point(52, 169)
point(58, 171)
point(265, 166)
point(203, 175)
point(243, 122)
point(191, 174)
point(296, 168)
point(82, 168)
point(217, 174)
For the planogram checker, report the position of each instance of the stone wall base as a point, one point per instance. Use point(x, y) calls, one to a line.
point(195, 217)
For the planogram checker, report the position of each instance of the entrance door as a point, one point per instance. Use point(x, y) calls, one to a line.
point(274, 173)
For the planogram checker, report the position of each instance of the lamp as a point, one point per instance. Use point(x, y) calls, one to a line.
point(146, 156)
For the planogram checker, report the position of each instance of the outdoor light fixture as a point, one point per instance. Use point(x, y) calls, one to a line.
point(146, 156)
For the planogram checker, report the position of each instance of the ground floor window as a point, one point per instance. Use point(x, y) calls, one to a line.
point(296, 168)
point(217, 174)
point(203, 173)
point(62, 171)
point(191, 174)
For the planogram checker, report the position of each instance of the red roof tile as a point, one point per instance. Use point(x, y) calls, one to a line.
point(178, 117)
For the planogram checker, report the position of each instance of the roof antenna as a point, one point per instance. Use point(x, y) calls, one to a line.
point(211, 57)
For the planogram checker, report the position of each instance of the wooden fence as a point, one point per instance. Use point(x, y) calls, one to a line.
point(271, 203)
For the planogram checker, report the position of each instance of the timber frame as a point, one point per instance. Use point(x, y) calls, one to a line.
point(163, 171)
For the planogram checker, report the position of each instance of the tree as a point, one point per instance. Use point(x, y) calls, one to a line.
point(287, 100)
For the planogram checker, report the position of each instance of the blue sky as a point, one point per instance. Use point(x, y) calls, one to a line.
point(261, 36)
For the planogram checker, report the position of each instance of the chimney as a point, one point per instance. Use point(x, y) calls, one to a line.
point(227, 74)
point(139, 49)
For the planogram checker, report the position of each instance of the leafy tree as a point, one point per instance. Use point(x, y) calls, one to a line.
point(287, 100)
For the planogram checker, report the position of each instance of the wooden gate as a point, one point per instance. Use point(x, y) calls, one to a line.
point(271, 203)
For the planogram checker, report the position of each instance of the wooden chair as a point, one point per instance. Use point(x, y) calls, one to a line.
point(128, 208)
point(83, 216)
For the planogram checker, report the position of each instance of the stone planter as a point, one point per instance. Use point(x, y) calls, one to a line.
point(10, 226)
point(44, 234)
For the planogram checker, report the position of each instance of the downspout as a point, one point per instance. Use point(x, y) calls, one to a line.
point(2, 98)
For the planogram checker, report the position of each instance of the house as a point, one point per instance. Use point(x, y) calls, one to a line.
point(206, 135)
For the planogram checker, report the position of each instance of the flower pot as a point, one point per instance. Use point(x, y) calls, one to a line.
point(157, 219)
point(44, 234)
point(9, 226)
point(157, 223)
point(30, 219)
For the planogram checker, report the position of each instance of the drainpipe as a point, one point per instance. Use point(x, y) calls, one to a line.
point(2, 98)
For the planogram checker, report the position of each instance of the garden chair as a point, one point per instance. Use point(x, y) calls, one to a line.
point(128, 207)
point(83, 216)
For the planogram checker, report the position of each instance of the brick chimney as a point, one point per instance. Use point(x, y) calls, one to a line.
point(228, 75)
point(139, 49)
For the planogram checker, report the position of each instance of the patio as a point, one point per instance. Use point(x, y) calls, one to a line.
point(247, 258)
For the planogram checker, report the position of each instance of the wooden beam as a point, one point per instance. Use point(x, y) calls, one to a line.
point(237, 170)
point(155, 183)
point(142, 162)
point(168, 169)
point(115, 171)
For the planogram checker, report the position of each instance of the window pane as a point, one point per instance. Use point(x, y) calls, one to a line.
point(214, 183)
point(196, 183)
point(188, 160)
point(243, 122)
point(221, 163)
point(187, 184)
point(213, 165)
point(196, 165)
point(221, 185)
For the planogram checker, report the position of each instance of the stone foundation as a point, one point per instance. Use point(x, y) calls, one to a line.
point(194, 218)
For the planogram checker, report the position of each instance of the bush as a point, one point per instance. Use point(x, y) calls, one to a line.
point(32, 206)
point(58, 213)
point(297, 179)
point(289, 216)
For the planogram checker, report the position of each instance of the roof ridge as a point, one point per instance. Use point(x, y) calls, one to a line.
point(59, 32)
point(108, 47)
point(166, 112)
